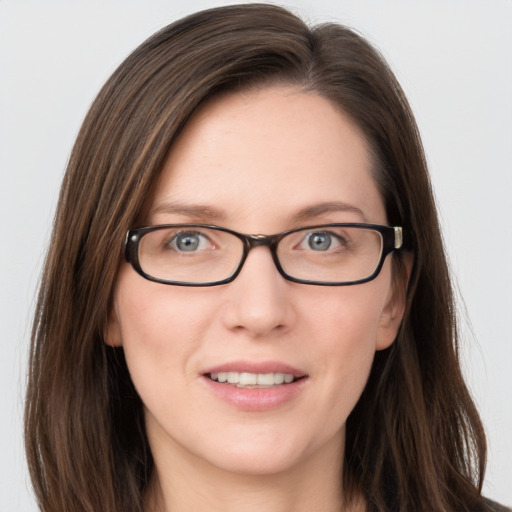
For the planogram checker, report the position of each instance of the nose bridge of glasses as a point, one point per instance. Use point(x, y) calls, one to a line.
point(269, 241)
point(255, 241)
point(258, 240)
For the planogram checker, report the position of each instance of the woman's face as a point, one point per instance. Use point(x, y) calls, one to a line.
point(257, 162)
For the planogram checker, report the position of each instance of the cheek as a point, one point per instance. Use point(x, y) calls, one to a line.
point(343, 325)
point(345, 316)
point(154, 314)
point(160, 330)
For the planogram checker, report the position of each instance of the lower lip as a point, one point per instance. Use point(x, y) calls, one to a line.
point(256, 399)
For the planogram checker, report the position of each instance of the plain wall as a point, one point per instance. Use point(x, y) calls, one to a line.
point(454, 60)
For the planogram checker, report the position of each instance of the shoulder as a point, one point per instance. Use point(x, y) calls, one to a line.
point(492, 506)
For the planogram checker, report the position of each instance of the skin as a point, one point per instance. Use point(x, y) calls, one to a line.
point(255, 160)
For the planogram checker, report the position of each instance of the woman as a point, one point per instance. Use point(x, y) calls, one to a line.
point(179, 364)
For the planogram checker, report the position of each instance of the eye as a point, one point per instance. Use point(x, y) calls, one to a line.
point(321, 241)
point(189, 241)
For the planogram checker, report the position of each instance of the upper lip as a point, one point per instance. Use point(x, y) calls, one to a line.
point(256, 367)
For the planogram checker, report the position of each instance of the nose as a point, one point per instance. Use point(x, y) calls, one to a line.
point(258, 300)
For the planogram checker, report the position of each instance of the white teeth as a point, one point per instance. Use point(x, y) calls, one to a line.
point(278, 378)
point(266, 379)
point(246, 379)
point(233, 378)
point(243, 379)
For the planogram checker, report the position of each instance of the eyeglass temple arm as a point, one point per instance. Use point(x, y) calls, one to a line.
point(399, 238)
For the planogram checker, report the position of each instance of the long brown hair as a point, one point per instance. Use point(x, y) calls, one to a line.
point(414, 440)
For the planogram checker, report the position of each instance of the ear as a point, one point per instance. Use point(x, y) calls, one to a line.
point(112, 331)
point(394, 308)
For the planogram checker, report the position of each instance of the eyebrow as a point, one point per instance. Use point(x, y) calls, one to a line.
point(203, 213)
point(194, 211)
point(311, 212)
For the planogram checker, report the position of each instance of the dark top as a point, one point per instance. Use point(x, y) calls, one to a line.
point(492, 506)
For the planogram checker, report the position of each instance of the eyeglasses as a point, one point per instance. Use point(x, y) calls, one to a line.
point(201, 255)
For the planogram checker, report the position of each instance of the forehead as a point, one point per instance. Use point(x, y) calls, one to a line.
point(266, 154)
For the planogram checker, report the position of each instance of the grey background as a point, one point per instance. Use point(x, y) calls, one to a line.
point(454, 60)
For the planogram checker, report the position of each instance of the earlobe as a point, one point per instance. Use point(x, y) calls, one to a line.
point(112, 331)
point(393, 312)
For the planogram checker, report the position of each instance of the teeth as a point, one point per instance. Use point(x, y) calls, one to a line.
point(263, 379)
point(244, 379)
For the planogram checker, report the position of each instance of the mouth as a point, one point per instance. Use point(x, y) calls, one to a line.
point(255, 386)
point(253, 380)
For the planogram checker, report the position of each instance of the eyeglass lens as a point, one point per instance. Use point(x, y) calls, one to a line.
point(206, 255)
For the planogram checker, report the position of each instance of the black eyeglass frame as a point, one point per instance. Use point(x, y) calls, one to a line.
point(392, 240)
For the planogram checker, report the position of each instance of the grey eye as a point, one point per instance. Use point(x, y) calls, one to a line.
point(320, 241)
point(189, 242)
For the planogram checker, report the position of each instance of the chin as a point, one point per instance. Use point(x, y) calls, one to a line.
point(270, 452)
point(258, 464)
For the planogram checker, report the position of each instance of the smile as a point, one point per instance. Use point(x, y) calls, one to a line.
point(255, 386)
point(252, 380)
